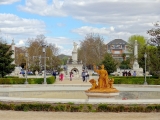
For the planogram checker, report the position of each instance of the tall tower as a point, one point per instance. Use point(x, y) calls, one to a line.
point(135, 64)
point(13, 49)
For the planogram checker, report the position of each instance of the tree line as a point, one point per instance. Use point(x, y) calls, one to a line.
point(92, 50)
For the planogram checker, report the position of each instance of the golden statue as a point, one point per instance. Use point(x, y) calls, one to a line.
point(105, 84)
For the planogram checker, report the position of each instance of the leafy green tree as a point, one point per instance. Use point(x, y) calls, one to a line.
point(124, 56)
point(141, 40)
point(125, 64)
point(109, 63)
point(155, 41)
point(151, 60)
point(6, 66)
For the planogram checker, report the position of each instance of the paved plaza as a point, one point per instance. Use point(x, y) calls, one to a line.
point(72, 85)
point(20, 115)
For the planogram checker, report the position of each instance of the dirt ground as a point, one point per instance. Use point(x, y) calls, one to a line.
point(20, 115)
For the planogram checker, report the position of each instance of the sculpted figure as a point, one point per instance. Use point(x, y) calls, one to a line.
point(75, 46)
point(103, 77)
point(94, 85)
point(111, 81)
point(105, 84)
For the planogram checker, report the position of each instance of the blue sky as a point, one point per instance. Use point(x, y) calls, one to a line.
point(66, 21)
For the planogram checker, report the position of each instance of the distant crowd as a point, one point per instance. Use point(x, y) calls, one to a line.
point(125, 73)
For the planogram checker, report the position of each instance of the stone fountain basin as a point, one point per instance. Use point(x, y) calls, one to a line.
point(77, 91)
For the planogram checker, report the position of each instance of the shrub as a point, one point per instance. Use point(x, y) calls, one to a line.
point(79, 107)
point(135, 80)
point(15, 80)
point(102, 108)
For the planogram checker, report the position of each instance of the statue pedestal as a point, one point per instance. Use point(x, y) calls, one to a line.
point(100, 97)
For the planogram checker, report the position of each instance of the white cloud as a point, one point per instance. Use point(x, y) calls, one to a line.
point(8, 1)
point(59, 40)
point(15, 26)
point(20, 43)
point(120, 18)
point(88, 29)
point(112, 28)
point(66, 51)
point(62, 43)
point(41, 7)
point(124, 17)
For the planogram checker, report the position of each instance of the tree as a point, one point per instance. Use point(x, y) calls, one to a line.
point(36, 55)
point(125, 64)
point(155, 41)
point(19, 56)
point(124, 56)
point(6, 66)
point(141, 40)
point(92, 49)
point(109, 63)
point(155, 35)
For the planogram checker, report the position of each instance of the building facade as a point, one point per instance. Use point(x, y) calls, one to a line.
point(117, 48)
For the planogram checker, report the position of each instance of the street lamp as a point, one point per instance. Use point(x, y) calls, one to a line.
point(44, 51)
point(26, 55)
point(145, 82)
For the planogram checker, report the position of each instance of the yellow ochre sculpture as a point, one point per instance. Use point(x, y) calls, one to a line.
point(105, 84)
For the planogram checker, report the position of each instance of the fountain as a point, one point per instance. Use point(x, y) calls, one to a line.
point(104, 90)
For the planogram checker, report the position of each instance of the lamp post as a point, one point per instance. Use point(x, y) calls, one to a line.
point(145, 82)
point(44, 51)
point(26, 55)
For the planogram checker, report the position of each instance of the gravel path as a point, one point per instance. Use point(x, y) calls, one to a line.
point(20, 115)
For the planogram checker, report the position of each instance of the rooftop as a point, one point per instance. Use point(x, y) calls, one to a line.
point(117, 41)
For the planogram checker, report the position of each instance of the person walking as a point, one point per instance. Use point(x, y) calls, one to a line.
point(71, 75)
point(54, 74)
point(87, 76)
point(61, 77)
point(83, 75)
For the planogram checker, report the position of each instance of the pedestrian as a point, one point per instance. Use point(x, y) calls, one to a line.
point(129, 73)
point(83, 75)
point(61, 76)
point(71, 75)
point(54, 74)
point(87, 76)
point(134, 73)
point(126, 74)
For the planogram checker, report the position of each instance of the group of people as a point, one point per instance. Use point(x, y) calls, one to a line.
point(61, 75)
point(85, 75)
point(125, 73)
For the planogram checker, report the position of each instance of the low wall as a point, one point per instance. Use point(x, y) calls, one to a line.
point(77, 91)
point(72, 94)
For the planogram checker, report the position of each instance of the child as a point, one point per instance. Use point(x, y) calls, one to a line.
point(71, 75)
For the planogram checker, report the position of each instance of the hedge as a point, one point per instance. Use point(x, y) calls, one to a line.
point(14, 80)
point(68, 107)
point(136, 80)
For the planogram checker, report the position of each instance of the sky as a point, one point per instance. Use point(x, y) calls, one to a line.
point(63, 22)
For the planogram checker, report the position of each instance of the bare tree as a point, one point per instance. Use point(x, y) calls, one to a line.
point(155, 35)
point(92, 49)
point(36, 55)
